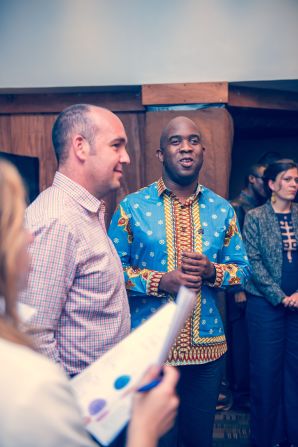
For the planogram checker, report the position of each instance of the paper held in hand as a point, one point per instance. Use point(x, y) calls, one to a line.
point(104, 390)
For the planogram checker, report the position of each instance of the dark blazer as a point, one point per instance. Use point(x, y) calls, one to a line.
point(263, 242)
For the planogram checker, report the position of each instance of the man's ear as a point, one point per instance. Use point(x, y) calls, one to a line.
point(159, 155)
point(80, 147)
point(251, 178)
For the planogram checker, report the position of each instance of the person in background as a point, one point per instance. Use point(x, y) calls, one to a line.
point(37, 406)
point(269, 157)
point(177, 232)
point(270, 234)
point(253, 193)
point(251, 196)
point(76, 281)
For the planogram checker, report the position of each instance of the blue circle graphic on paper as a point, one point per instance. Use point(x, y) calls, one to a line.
point(121, 382)
point(96, 406)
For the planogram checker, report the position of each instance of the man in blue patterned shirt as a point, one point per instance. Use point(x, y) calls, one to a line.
point(177, 232)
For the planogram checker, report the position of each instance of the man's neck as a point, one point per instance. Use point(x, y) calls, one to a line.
point(76, 176)
point(254, 198)
point(182, 192)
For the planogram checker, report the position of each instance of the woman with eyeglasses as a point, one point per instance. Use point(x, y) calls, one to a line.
point(37, 407)
point(271, 234)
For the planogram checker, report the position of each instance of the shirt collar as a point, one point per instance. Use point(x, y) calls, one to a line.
point(77, 192)
point(161, 188)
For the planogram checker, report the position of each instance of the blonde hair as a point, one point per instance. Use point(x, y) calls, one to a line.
point(12, 207)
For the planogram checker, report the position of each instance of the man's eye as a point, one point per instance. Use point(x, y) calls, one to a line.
point(175, 141)
point(194, 140)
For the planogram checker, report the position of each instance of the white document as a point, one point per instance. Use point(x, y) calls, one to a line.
point(104, 390)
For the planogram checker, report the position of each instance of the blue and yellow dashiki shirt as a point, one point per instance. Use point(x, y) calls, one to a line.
point(150, 229)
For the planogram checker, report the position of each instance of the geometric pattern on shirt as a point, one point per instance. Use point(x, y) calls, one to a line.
point(288, 236)
point(232, 231)
point(182, 223)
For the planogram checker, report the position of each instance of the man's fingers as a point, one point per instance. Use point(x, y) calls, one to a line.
point(193, 261)
point(151, 374)
point(193, 255)
point(170, 376)
point(191, 268)
point(191, 279)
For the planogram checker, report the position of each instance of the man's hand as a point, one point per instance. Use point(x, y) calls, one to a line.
point(240, 297)
point(171, 281)
point(198, 264)
point(154, 412)
point(291, 301)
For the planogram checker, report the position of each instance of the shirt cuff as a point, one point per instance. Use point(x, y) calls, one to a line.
point(153, 284)
point(219, 276)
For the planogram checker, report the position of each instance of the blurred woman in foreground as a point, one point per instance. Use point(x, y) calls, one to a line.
point(37, 407)
point(271, 234)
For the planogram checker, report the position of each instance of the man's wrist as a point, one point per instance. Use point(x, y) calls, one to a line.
point(219, 275)
point(212, 274)
point(153, 284)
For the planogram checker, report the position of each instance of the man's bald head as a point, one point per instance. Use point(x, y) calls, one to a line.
point(173, 124)
point(76, 119)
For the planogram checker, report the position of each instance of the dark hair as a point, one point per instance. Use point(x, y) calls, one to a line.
point(74, 119)
point(275, 168)
point(252, 170)
point(269, 157)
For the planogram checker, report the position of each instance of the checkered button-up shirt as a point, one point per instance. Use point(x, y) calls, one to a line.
point(76, 282)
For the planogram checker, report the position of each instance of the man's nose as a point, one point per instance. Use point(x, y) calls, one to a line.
point(185, 145)
point(124, 156)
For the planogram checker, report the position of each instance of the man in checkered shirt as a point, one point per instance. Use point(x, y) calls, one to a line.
point(76, 282)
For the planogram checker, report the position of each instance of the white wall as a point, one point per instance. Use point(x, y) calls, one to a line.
point(50, 43)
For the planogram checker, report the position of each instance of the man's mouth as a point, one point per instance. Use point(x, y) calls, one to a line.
point(186, 162)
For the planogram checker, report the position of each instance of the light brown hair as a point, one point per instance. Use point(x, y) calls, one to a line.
point(12, 207)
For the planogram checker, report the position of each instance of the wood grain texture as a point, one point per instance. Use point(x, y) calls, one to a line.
point(262, 98)
point(134, 173)
point(190, 93)
point(56, 102)
point(30, 135)
point(5, 133)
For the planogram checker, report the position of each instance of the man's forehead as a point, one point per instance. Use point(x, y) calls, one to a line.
point(108, 122)
point(182, 127)
point(261, 169)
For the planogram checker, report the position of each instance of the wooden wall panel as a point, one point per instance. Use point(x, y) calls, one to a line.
point(5, 133)
point(187, 93)
point(117, 101)
point(216, 127)
point(262, 98)
point(134, 173)
point(30, 135)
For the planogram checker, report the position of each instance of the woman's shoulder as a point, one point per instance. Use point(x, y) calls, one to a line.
point(36, 393)
point(25, 372)
point(259, 211)
point(23, 360)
